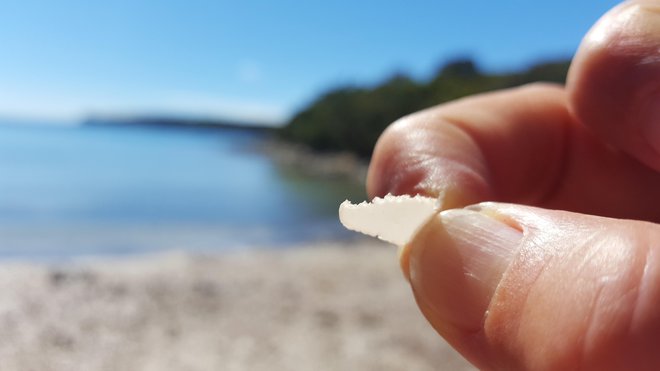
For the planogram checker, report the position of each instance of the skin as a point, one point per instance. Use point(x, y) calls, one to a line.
point(577, 170)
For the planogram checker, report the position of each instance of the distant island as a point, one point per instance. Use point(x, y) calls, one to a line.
point(178, 122)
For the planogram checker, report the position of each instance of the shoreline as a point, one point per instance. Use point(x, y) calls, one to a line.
point(322, 307)
point(332, 165)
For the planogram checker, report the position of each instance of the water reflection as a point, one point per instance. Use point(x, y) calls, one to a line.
point(112, 190)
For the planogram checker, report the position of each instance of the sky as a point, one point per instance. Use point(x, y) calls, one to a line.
point(255, 60)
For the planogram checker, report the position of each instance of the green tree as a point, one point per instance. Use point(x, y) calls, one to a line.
point(352, 118)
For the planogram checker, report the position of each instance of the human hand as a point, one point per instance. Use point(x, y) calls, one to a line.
point(532, 287)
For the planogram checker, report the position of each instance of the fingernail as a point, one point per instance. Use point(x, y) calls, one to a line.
point(455, 264)
point(650, 121)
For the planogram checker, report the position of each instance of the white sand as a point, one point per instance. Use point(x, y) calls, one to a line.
point(317, 308)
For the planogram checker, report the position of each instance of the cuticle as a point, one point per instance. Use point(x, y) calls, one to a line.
point(502, 218)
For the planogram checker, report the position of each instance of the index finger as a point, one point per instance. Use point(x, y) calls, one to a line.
point(519, 145)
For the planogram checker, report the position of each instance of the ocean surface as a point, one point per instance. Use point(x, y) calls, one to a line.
point(77, 191)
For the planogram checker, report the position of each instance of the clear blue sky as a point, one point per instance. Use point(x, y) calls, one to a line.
point(255, 59)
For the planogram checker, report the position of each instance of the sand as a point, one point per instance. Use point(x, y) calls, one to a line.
point(328, 307)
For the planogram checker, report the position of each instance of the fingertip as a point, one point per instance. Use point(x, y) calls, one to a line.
point(613, 84)
point(392, 170)
point(424, 154)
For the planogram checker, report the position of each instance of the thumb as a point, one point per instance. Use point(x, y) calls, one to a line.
point(513, 287)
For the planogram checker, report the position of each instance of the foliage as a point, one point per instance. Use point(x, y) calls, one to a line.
point(352, 118)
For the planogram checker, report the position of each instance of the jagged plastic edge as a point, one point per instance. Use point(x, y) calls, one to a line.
point(391, 198)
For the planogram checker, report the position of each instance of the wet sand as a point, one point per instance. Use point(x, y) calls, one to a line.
point(328, 307)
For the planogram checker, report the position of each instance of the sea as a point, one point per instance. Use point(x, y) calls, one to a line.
point(71, 191)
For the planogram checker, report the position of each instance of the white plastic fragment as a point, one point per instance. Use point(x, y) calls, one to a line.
point(395, 219)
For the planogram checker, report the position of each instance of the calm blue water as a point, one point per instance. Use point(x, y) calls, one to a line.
point(90, 190)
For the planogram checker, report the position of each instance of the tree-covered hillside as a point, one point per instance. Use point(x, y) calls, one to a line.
point(351, 118)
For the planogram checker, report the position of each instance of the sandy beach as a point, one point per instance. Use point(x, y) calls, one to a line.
point(330, 307)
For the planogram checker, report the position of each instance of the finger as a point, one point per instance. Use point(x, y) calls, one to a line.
point(521, 288)
point(519, 145)
point(614, 80)
point(475, 145)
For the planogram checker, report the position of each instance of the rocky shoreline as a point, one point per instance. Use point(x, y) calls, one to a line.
point(337, 165)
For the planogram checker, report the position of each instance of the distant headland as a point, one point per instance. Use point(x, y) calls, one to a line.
point(349, 119)
point(179, 122)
